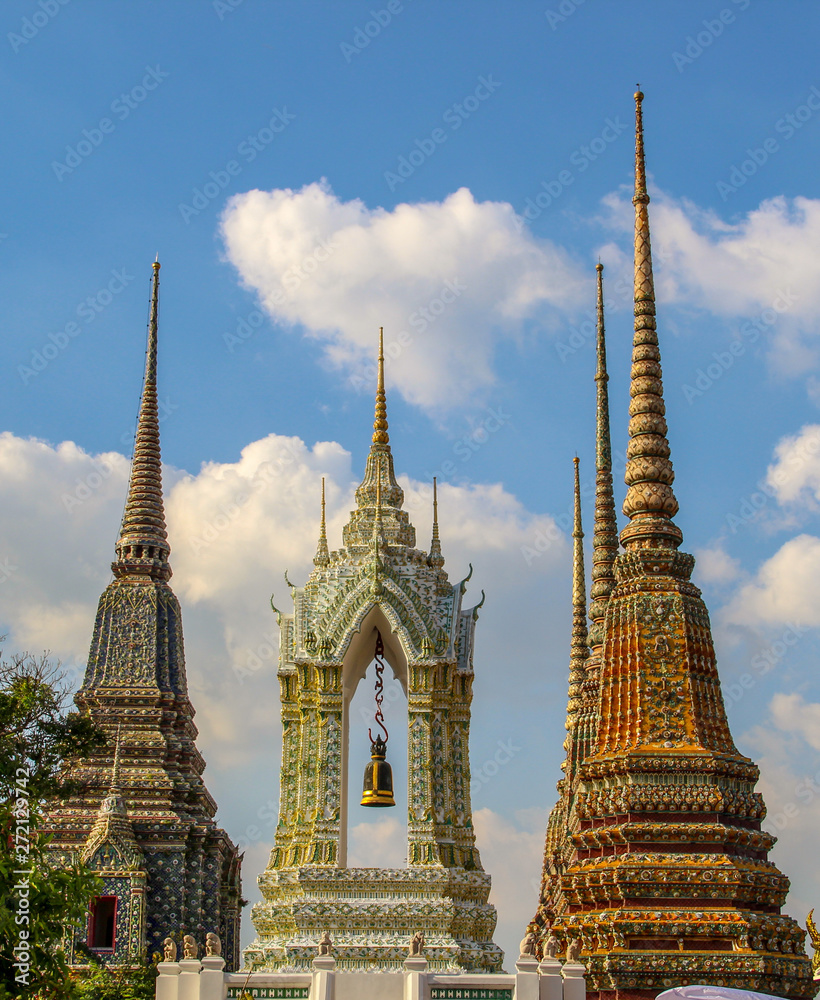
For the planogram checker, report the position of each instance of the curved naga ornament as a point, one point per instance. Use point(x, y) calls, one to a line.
point(814, 934)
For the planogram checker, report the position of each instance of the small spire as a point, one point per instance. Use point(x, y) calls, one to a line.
point(322, 557)
point(435, 558)
point(605, 531)
point(579, 647)
point(142, 548)
point(650, 502)
point(380, 435)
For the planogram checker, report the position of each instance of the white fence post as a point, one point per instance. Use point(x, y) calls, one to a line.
point(168, 981)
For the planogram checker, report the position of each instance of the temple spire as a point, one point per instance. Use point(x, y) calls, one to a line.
point(435, 558)
point(380, 435)
point(605, 532)
point(142, 548)
point(579, 648)
point(650, 502)
point(379, 472)
point(322, 557)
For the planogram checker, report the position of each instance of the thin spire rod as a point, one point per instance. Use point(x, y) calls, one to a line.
point(650, 502)
point(380, 435)
point(142, 548)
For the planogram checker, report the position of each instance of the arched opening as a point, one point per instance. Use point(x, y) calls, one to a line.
point(373, 837)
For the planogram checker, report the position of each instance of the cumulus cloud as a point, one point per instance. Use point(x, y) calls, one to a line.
point(794, 476)
point(447, 280)
point(715, 566)
point(759, 269)
point(234, 528)
point(785, 590)
point(785, 748)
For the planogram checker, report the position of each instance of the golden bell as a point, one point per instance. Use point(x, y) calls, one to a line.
point(378, 777)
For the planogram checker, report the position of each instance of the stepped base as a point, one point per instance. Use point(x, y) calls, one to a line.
point(371, 915)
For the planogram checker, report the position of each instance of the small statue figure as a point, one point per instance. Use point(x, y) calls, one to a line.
point(169, 950)
point(189, 947)
point(528, 942)
point(814, 934)
point(574, 951)
point(213, 946)
point(551, 947)
point(417, 945)
point(325, 945)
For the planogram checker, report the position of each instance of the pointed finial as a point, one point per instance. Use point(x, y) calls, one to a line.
point(322, 557)
point(142, 548)
point(650, 502)
point(605, 532)
point(435, 558)
point(380, 435)
point(578, 584)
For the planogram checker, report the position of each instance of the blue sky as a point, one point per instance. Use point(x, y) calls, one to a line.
point(133, 130)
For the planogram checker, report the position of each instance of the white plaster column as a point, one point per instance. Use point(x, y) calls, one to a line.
point(415, 977)
point(212, 978)
point(323, 986)
point(189, 969)
point(550, 983)
point(526, 978)
point(575, 987)
point(168, 981)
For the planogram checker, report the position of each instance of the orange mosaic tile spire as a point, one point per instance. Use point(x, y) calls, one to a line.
point(662, 874)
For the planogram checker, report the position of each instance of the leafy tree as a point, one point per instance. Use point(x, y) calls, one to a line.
point(39, 741)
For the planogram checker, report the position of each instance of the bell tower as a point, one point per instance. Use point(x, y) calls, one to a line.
point(377, 589)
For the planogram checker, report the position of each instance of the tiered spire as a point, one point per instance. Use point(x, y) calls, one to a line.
point(579, 647)
point(650, 502)
point(605, 534)
point(435, 558)
point(395, 523)
point(142, 548)
point(322, 557)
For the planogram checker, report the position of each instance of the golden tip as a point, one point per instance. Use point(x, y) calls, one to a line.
point(638, 96)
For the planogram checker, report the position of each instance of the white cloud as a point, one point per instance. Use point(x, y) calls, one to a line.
point(786, 589)
point(715, 566)
point(447, 281)
point(234, 527)
point(794, 476)
point(760, 269)
point(512, 851)
point(784, 747)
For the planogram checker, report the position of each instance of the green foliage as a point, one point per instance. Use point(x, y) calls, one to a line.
point(102, 983)
point(38, 900)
